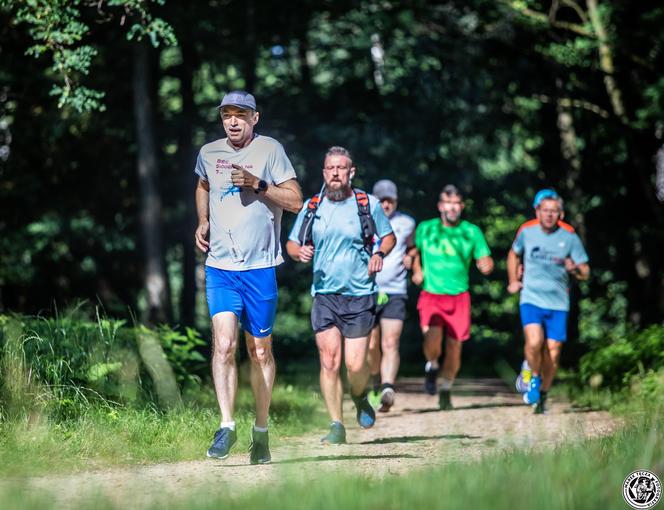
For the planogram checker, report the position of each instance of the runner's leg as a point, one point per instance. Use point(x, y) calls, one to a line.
point(391, 329)
point(355, 358)
point(329, 350)
point(263, 370)
point(224, 369)
point(551, 360)
point(534, 341)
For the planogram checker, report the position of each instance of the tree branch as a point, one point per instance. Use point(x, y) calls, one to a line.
point(574, 103)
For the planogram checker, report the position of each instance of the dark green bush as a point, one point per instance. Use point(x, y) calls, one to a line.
point(615, 364)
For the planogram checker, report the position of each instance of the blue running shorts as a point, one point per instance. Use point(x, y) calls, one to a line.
point(554, 322)
point(251, 295)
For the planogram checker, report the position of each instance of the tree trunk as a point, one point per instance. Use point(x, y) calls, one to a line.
point(150, 201)
point(250, 47)
point(659, 182)
point(570, 152)
point(159, 368)
point(187, 160)
point(606, 62)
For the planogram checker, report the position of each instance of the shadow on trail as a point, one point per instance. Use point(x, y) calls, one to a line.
point(410, 439)
point(324, 458)
point(575, 410)
point(334, 458)
point(466, 387)
point(488, 405)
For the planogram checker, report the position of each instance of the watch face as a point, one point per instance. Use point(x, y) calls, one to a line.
point(262, 185)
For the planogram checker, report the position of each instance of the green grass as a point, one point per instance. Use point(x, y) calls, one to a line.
point(584, 475)
point(106, 436)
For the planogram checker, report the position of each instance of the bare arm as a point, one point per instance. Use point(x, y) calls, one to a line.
point(202, 196)
point(579, 271)
point(286, 195)
point(298, 252)
point(418, 273)
point(513, 262)
point(485, 265)
point(387, 243)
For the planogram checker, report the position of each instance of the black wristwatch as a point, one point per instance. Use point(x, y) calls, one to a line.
point(262, 187)
point(380, 254)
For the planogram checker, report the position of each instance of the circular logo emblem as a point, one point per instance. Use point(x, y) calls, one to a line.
point(642, 489)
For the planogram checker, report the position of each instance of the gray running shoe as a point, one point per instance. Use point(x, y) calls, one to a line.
point(386, 400)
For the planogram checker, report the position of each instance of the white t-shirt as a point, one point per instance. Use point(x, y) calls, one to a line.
point(244, 227)
point(392, 279)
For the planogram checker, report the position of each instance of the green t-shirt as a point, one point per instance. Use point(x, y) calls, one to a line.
point(447, 253)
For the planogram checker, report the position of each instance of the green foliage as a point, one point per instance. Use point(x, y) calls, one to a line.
point(64, 365)
point(624, 359)
point(57, 28)
point(121, 435)
point(181, 352)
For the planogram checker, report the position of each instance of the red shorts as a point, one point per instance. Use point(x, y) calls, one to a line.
point(451, 312)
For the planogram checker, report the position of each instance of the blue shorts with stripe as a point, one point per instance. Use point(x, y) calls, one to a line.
point(251, 295)
point(554, 322)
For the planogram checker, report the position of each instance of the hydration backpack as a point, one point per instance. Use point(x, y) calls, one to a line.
point(367, 224)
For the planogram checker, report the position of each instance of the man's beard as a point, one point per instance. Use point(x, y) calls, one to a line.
point(337, 195)
point(449, 218)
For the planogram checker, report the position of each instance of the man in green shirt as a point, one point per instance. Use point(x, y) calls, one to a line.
point(445, 248)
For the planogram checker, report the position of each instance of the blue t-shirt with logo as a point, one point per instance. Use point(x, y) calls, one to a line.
point(340, 260)
point(545, 280)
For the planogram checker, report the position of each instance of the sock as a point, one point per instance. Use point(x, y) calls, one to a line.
point(227, 425)
point(431, 365)
point(543, 394)
point(385, 386)
point(260, 429)
point(446, 384)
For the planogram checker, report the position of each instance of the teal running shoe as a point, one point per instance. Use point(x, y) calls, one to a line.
point(223, 441)
point(259, 450)
point(532, 396)
point(366, 416)
point(336, 435)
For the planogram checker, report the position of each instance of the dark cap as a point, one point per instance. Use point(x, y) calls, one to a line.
point(239, 98)
point(385, 189)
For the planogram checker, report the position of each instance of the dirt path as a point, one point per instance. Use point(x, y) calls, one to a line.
point(488, 417)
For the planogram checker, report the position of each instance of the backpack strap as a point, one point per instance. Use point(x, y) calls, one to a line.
point(305, 236)
point(366, 220)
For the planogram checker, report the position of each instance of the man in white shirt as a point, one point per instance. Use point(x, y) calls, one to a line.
point(245, 182)
point(391, 300)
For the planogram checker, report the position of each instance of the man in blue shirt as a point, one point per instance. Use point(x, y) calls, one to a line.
point(245, 181)
point(551, 252)
point(343, 286)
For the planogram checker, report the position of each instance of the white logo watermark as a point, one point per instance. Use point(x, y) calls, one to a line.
point(642, 489)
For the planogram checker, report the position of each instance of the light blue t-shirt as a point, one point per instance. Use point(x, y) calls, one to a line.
point(340, 261)
point(244, 226)
point(392, 279)
point(545, 280)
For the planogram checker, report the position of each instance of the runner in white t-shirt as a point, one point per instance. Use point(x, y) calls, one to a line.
point(245, 182)
point(391, 300)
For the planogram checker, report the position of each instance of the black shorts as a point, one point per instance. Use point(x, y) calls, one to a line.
point(395, 308)
point(353, 315)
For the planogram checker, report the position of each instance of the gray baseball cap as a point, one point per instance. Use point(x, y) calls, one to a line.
point(239, 98)
point(385, 189)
